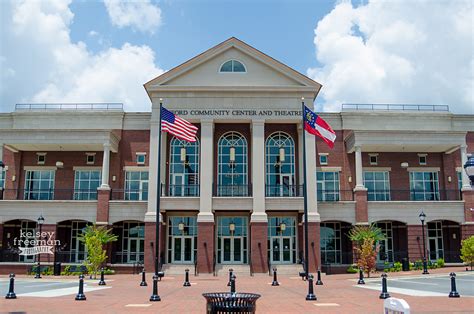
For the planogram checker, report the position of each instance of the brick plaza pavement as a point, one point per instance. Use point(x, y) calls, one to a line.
point(337, 295)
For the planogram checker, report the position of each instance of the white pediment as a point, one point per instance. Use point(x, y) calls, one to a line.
point(203, 71)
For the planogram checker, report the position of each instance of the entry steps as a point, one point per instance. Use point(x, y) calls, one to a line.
point(287, 269)
point(177, 269)
point(223, 270)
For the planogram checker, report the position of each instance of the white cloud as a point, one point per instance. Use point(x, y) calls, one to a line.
point(141, 15)
point(397, 52)
point(40, 63)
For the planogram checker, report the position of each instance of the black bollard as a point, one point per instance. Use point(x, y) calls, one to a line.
point(310, 296)
point(361, 277)
point(453, 293)
point(11, 290)
point(102, 281)
point(143, 283)
point(186, 278)
point(319, 282)
point(231, 272)
point(384, 294)
point(38, 271)
point(80, 296)
point(155, 297)
point(232, 284)
point(275, 280)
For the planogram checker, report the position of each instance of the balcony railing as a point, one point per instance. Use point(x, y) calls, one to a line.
point(329, 196)
point(413, 195)
point(181, 190)
point(233, 190)
point(50, 194)
point(282, 190)
point(129, 195)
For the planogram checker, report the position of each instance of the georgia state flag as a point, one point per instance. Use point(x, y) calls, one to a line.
point(314, 124)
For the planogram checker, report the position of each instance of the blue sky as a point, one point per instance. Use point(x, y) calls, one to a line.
point(402, 52)
point(282, 29)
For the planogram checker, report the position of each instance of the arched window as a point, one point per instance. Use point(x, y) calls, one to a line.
point(184, 168)
point(233, 66)
point(280, 165)
point(232, 165)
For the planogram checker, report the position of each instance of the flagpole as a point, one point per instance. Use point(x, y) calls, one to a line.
point(158, 199)
point(305, 192)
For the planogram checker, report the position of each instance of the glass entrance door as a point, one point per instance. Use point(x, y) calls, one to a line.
point(27, 228)
point(232, 250)
point(435, 240)
point(281, 250)
point(135, 249)
point(183, 248)
point(286, 184)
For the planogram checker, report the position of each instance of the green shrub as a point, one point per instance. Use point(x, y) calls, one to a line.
point(352, 269)
point(397, 266)
point(440, 262)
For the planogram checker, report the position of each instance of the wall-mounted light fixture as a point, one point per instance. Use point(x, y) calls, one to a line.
point(454, 236)
point(232, 154)
point(282, 154)
point(349, 179)
point(282, 227)
point(232, 227)
point(114, 178)
point(449, 178)
point(59, 164)
point(181, 226)
point(404, 165)
point(13, 178)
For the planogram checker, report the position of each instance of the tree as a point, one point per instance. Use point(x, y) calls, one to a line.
point(366, 239)
point(94, 239)
point(367, 256)
point(467, 251)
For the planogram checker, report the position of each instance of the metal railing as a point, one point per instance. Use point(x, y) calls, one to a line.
point(70, 106)
point(125, 257)
point(181, 190)
point(413, 195)
point(128, 195)
point(334, 195)
point(233, 190)
point(282, 190)
point(50, 194)
point(395, 107)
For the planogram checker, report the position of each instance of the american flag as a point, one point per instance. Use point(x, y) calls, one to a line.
point(180, 128)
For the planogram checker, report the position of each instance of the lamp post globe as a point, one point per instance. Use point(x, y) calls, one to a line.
point(422, 217)
point(469, 168)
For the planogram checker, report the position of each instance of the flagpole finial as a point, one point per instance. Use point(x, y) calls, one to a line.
point(302, 98)
point(161, 99)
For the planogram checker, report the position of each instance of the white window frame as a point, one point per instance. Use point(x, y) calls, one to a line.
point(138, 155)
point(28, 179)
point(243, 64)
point(373, 163)
point(414, 192)
point(91, 193)
point(128, 193)
point(87, 158)
point(335, 226)
point(285, 168)
point(321, 186)
point(379, 195)
point(423, 156)
point(38, 161)
point(321, 162)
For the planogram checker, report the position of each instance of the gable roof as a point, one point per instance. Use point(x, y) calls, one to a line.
point(232, 42)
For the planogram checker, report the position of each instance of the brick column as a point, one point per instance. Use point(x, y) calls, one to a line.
point(1, 236)
point(149, 249)
point(259, 246)
point(205, 249)
point(361, 208)
point(314, 262)
point(415, 242)
point(12, 161)
point(467, 229)
point(103, 198)
point(48, 228)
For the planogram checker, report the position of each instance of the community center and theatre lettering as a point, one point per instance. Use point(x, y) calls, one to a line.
point(225, 113)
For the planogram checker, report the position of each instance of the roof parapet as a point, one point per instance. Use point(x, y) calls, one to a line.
point(70, 106)
point(394, 107)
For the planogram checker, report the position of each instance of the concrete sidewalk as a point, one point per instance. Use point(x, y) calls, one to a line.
point(339, 294)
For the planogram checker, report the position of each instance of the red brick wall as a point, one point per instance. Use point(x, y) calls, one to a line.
point(103, 197)
point(259, 235)
point(415, 242)
point(48, 228)
point(149, 251)
point(361, 206)
point(314, 262)
point(205, 247)
point(468, 197)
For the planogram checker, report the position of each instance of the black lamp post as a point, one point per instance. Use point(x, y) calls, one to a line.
point(469, 168)
point(38, 258)
point(422, 219)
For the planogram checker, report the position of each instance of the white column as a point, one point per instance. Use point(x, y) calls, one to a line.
point(466, 185)
point(206, 171)
point(358, 164)
point(153, 169)
point(300, 153)
point(106, 166)
point(258, 171)
point(1, 151)
point(313, 214)
point(164, 141)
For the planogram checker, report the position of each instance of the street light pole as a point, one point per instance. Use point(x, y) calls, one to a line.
point(425, 265)
point(38, 266)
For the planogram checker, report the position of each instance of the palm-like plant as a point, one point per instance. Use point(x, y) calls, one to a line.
point(360, 233)
point(366, 239)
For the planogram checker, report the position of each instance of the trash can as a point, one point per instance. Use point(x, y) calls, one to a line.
point(226, 302)
point(57, 269)
point(405, 264)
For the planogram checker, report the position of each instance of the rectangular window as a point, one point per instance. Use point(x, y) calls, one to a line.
point(378, 185)
point(86, 183)
point(330, 243)
point(141, 157)
point(90, 159)
point(39, 185)
point(323, 159)
point(328, 186)
point(136, 185)
point(424, 186)
point(422, 159)
point(3, 175)
point(41, 158)
point(373, 159)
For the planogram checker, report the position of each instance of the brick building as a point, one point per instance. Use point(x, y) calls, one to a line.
point(234, 197)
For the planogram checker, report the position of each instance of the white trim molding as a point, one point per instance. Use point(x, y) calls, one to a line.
point(424, 169)
point(38, 168)
point(329, 169)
